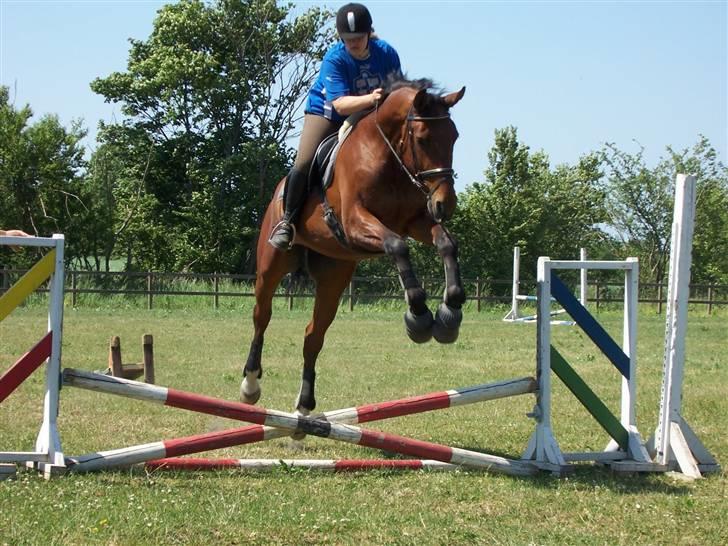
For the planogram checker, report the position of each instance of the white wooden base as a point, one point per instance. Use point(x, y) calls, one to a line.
point(685, 452)
point(7, 471)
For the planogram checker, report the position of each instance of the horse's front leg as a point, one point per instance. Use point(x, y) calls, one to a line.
point(449, 314)
point(418, 319)
point(371, 235)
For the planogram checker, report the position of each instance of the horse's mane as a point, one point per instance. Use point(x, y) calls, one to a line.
point(398, 81)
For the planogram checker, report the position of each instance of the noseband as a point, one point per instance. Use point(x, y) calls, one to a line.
point(417, 179)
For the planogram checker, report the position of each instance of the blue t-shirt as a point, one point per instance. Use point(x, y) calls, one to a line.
point(342, 75)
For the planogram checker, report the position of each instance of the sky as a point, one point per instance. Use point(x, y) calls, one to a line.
point(570, 76)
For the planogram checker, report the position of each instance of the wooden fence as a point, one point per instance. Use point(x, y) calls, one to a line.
point(149, 285)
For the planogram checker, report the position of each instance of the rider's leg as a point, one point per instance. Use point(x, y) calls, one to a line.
point(315, 129)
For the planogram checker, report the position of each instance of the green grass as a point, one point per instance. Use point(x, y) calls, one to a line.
point(366, 359)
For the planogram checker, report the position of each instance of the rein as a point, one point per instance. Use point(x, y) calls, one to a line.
point(417, 179)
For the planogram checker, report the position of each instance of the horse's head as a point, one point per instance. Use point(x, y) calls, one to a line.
point(427, 137)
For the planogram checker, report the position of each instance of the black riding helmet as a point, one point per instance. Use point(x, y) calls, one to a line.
point(353, 20)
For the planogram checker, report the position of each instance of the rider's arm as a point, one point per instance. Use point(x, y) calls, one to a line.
point(347, 105)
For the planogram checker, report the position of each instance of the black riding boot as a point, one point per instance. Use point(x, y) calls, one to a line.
point(282, 235)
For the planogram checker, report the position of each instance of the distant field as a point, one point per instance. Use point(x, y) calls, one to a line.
point(367, 358)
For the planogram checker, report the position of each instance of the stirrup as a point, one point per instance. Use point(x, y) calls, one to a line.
point(288, 226)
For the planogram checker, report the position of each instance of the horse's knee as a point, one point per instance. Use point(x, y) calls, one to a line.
point(446, 245)
point(396, 247)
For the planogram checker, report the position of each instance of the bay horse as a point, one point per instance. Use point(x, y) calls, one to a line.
point(393, 179)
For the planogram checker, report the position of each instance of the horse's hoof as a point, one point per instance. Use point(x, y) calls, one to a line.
point(419, 327)
point(249, 397)
point(447, 323)
point(300, 412)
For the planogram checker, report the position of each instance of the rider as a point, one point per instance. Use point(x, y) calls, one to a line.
point(351, 78)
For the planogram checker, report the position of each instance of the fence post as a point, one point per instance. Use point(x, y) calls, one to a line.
point(710, 299)
point(659, 299)
point(599, 291)
point(217, 291)
point(150, 302)
point(74, 288)
point(351, 294)
point(477, 293)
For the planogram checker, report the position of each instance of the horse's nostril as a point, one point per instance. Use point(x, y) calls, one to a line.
point(440, 209)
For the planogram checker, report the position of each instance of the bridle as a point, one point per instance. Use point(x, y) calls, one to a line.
point(418, 179)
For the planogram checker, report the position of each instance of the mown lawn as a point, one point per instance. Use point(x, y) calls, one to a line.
point(366, 359)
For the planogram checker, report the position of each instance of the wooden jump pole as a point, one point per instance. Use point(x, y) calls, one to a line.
point(256, 433)
point(319, 465)
point(294, 423)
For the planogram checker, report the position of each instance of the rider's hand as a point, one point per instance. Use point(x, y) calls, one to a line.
point(376, 95)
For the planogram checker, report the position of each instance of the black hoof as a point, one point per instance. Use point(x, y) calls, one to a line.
point(419, 327)
point(447, 323)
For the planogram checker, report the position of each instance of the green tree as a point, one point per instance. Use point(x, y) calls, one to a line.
point(214, 91)
point(641, 208)
point(42, 187)
point(525, 203)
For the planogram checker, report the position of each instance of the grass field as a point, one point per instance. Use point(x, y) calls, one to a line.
point(366, 359)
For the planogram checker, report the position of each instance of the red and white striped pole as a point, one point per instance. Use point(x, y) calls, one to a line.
point(293, 423)
point(324, 465)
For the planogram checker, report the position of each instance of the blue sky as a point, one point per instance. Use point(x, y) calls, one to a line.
point(569, 75)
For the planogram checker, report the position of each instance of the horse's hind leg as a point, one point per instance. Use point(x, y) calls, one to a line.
point(272, 266)
point(332, 277)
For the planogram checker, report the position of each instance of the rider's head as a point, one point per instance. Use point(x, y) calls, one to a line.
point(353, 21)
point(354, 25)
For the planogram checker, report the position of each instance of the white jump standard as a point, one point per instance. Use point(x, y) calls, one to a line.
point(626, 442)
point(47, 456)
point(675, 444)
point(514, 314)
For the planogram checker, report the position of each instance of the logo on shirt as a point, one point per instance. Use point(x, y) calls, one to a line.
point(366, 82)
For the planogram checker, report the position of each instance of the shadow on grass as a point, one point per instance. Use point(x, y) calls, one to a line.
point(585, 476)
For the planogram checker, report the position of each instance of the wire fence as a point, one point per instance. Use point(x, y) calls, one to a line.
point(148, 286)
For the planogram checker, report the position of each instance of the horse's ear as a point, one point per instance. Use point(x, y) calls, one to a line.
point(420, 102)
point(453, 98)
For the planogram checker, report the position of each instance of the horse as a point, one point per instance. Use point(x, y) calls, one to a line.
point(393, 179)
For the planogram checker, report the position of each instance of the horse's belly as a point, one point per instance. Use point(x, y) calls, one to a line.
point(313, 233)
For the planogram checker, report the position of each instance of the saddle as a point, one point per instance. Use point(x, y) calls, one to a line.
point(321, 173)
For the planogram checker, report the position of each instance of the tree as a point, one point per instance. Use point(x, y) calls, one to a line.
point(211, 97)
point(525, 203)
point(42, 188)
point(641, 208)
point(710, 239)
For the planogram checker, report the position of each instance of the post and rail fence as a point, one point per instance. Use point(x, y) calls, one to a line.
point(480, 291)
